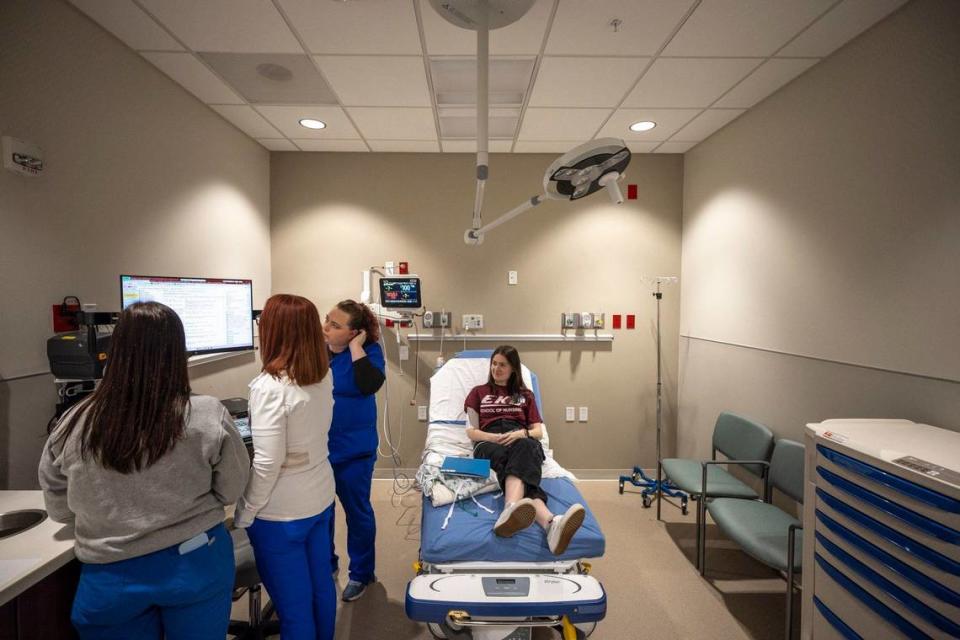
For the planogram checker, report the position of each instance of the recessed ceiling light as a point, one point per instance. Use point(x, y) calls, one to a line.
point(645, 125)
point(310, 123)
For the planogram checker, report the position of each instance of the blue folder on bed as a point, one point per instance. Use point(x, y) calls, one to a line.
point(466, 467)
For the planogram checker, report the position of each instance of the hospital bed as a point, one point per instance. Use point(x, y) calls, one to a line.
point(471, 583)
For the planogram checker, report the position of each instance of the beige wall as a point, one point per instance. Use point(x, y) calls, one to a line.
point(823, 226)
point(140, 177)
point(334, 214)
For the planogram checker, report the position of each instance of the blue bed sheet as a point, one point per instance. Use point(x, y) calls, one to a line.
point(469, 535)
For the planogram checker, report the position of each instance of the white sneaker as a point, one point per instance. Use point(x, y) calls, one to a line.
point(563, 527)
point(515, 517)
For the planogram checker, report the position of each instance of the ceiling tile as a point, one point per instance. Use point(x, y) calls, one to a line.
point(470, 146)
point(669, 121)
point(370, 26)
point(196, 78)
point(561, 124)
point(287, 120)
point(455, 80)
point(279, 78)
point(706, 124)
point(522, 37)
point(374, 81)
point(235, 26)
point(384, 123)
point(462, 122)
point(128, 22)
point(546, 146)
point(278, 144)
point(247, 120)
point(404, 146)
point(584, 27)
point(766, 79)
point(637, 146)
point(675, 147)
point(743, 27)
point(331, 145)
point(841, 24)
point(688, 82)
point(585, 82)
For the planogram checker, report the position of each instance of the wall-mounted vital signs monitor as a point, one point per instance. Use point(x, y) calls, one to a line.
point(400, 292)
point(217, 314)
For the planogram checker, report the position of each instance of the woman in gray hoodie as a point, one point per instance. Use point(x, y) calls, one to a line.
point(143, 470)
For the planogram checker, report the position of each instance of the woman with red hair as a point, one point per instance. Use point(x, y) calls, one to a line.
point(288, 502)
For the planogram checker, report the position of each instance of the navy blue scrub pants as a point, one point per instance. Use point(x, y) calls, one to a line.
point(293, 562)
point(160, 594)
point(354, 480)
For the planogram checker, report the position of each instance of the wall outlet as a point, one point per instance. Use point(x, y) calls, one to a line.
point(586, 320)
point(512, 277)
point(584, 414)
point(472, 321)
point(422, 413)
point(404, 352)
point(571, 416)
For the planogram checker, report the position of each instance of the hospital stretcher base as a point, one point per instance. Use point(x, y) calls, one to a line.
point(469, 599)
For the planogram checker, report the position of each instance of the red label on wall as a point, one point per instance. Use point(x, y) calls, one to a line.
point(403, 268)
point(631, 192)
point(631, 322)
point(616, 320)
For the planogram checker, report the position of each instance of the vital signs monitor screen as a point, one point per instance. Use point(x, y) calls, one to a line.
point(401, 292)
point(217, 314)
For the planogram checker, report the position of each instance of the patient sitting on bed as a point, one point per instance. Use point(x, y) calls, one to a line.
point(506, 428)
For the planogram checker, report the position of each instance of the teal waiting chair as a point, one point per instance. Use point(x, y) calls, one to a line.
point(737, 438)
point(761, 529)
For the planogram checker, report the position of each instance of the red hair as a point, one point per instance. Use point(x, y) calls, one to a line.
point(291, 340)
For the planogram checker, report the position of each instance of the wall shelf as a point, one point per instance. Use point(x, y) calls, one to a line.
point(515, 337)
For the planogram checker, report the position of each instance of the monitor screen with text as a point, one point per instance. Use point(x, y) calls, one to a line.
point(217, 314)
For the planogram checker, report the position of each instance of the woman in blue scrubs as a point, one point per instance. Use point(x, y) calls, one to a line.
point(356, 360)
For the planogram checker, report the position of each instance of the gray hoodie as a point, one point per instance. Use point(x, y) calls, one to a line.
point(119, 516)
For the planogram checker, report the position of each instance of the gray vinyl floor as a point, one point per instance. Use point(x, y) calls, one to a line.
point(653, 588)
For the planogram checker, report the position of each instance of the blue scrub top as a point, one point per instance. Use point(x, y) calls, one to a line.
point(353, 432)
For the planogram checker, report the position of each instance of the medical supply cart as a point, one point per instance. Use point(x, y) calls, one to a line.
point(881, 546)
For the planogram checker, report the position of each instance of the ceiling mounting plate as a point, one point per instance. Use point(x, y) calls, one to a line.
point(470, 14)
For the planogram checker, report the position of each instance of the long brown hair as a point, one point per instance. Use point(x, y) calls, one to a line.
point(139, 409)
point(515, 384)
point(361, 317)
point(291, 340)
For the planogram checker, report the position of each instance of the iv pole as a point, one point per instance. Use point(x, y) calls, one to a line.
point(638, 478)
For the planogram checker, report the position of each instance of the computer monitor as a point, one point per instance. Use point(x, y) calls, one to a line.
point(217, 314)
point(400, 292)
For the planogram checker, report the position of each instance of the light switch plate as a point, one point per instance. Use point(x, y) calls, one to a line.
point(422, 413)
point(584, 414)
point(571, 415)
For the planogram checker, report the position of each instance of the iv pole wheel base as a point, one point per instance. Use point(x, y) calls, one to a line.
point(647, 501)
point(472, 238)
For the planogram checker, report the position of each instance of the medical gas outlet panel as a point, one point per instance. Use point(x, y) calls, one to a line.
point(437, 319)
point(582, 320)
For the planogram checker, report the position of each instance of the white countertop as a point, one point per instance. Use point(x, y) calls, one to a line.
point(30, 556)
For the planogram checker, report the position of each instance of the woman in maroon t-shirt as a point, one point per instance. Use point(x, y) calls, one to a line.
point(506, 428)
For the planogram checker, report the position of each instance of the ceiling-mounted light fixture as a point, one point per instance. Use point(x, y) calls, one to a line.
point(310, 123)
point(584, 170)
point(644, 125)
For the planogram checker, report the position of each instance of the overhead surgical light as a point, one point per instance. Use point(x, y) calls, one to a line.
point(310, 123)
point(592, 166)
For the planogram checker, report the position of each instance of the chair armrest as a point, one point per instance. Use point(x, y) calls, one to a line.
point(763, 463)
